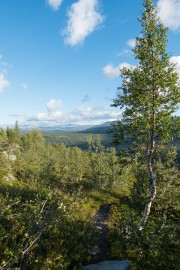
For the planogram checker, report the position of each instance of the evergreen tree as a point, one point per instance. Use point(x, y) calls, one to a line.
point(3, 137)
point(149, 95)
point(14, 134)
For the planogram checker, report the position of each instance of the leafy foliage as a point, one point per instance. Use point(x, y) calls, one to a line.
point(49, 194)
point(48, 202)
point(149, 94)
point(157, 246)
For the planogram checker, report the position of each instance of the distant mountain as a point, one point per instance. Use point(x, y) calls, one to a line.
point(99, 129)
point(79, 138)
point(57, 128)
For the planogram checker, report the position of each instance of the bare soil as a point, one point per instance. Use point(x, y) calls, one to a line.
point(101, 248)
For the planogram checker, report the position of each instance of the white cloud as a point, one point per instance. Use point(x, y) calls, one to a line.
point(131, 43)
point(124, 52)
point(53, 114)
point(41, 116)
point(112, 72)
point(176, 60)
point(57, 115)
point(47, 116)
point(3, 82)
point(81, 115)
point(94, 114)
point(169, 12)
point(55, 4)
point(83, 19)
point(54, 105)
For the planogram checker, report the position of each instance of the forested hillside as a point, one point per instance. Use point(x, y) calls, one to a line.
point(103, 132)
point(78, 139)
point(70, 199)
point(50, 193)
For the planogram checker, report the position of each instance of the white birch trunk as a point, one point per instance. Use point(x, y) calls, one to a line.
point(152, 189)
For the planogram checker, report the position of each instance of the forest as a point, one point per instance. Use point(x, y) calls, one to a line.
point(51, 193)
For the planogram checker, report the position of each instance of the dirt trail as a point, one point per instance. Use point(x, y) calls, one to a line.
point(101, 249)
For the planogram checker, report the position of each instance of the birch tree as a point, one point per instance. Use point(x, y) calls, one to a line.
point(149, 95)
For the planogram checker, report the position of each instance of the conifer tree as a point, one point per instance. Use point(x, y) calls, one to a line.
point(149, 94)
point(14, 134)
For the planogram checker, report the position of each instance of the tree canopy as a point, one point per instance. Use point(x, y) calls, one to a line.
point(149, 94)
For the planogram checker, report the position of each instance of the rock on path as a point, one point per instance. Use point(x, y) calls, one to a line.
point(109, 265)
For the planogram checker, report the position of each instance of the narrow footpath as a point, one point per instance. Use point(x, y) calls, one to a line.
point(101, 249)
point(100, 254)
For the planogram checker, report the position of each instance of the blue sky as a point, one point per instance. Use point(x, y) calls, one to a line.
point(60, 59)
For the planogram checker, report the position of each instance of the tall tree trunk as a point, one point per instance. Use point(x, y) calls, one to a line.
point(152, 185)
